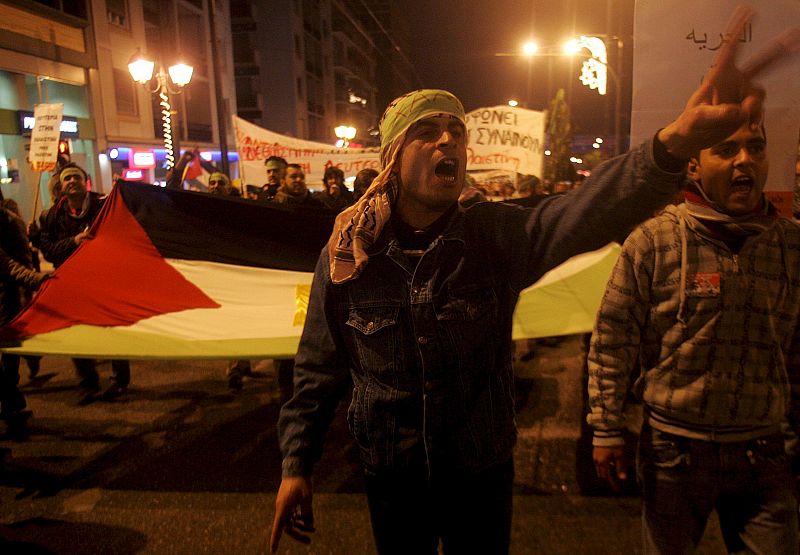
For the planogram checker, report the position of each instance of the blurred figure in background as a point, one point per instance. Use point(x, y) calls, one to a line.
point(362, 182)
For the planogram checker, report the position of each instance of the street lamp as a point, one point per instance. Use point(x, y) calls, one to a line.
point(345, 134)
point(594, 74)
point(168, 82)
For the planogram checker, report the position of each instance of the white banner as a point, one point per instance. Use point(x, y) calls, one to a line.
point(506, 138)
point(255, 144)
point(675, 44)
point(45, 136)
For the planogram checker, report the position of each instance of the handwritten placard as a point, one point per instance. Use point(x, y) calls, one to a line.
point(506, 138)
point(255, 144)
point(45, 136)
point(675, 43)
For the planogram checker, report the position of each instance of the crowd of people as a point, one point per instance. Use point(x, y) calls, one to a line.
point(411, 307)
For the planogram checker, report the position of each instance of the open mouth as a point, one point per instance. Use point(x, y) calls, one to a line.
point(446, 170)
point(742, 183)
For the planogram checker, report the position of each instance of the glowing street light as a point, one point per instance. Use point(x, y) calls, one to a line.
point(345, 134)
point(513, 103)
point(168, 82)
point(530, 48)
point(594, 72)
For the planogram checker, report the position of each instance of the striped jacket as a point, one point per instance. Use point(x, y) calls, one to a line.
point(709, 338)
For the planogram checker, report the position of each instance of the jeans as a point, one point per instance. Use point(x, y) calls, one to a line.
point(749, 483)
point(411, 512)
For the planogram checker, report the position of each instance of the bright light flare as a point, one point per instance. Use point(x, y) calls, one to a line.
point(181, 74)
point(530, 48)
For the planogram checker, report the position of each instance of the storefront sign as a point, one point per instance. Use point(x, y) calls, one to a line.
point(142, 159)
point(45, 136)
point(133, 175)
point(69, 126)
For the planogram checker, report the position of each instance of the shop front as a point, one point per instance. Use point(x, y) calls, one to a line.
point(19, 94)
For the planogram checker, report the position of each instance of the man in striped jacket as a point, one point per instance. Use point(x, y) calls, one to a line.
point(701, 315)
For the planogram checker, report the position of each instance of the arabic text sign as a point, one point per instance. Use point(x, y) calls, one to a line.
point(45, 135)
point(676, 42)
point(255, 144)
point(506, 138)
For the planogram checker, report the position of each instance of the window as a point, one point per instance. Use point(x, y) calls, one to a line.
point(198, 112)
point(192, 43)
point(117, 13)
point(125, 93)
point(76, 8)
point(300, 87)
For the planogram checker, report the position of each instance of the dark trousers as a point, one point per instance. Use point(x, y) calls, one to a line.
point(11, 399)
point(470, 514)
point(86, 369)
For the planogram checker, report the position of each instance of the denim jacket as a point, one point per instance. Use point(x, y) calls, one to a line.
point(427, 344)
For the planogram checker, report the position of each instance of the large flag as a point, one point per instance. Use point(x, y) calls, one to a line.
point(174, 274)
point(177, 274)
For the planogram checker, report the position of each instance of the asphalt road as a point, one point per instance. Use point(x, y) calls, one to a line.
point(181, 465)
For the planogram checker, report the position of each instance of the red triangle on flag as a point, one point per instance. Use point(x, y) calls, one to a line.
point(86, 288)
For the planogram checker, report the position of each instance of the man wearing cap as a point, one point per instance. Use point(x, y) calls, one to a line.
point(413, 300)
point(65, 228)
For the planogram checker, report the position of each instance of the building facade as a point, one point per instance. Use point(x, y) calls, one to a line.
point(304, 67)
point(77, 53)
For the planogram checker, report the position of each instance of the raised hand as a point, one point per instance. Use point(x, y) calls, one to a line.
point(728, 97)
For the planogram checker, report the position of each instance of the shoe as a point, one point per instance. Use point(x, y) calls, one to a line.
point(87, 395)
point(235, 383)
point(113, 391)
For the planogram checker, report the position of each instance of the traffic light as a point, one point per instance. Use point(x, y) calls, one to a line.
point(63, 153)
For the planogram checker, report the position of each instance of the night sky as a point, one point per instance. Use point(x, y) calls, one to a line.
point(454, 46)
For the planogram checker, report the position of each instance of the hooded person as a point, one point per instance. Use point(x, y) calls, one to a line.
point(412, 305)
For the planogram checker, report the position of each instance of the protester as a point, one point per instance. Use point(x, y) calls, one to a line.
point(276, 174)
point(294, 191)
point(335, 195)
point(220, 184)
point(32, 362)
point(362, 182)
point(701, 312)
point(176, 174)
point(34, 227)
point(413, 298)
point(65, 229)
point(16, 274)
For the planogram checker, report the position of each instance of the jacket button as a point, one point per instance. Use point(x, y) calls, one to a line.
point(422, 340)
point(429, 386)
point(370, 326)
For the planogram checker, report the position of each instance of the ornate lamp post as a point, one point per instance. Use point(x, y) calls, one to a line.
point(168, 82)
point(594, 74)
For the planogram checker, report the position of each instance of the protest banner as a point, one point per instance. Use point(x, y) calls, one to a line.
point(675, 45)
point(255, 144)
point(506, 138)
point(45, 136)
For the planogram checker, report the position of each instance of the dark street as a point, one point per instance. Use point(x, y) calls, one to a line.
point(180, 465)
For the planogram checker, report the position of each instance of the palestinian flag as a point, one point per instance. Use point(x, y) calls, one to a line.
point(175, 274)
